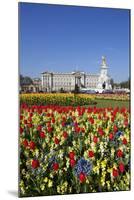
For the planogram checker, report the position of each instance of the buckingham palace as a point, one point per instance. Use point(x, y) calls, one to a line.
point(56, 81)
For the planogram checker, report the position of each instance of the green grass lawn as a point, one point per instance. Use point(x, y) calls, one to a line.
point(111, 103)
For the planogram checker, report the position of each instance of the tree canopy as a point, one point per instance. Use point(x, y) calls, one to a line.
point(25, 80)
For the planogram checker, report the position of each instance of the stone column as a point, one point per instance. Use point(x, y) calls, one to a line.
point(42, 81)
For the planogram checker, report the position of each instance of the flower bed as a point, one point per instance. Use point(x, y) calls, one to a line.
point(57, 99)
point(117, 97)
point(66, 150)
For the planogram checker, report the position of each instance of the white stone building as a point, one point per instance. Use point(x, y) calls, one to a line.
point(51, 81)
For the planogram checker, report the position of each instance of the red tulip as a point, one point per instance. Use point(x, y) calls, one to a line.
point(91, 154)
point(95, 139)
point(63, 123)
point(21, 117)
point(25, 143)
point(30, 125)
point(82, 130)
point(126, 122)
point(115, 172)
point(50, 129)
point(25, 121)
point(99, 117)
point(32, 145)
point(49, 124)
point(31, 114)
point(21, 130)
point(100, 131)
point(56, 140)
point(112, 119)
point(30, 119)
point(77, 129)
point(39, 111)
point(91, 120)
point(71, 155)
point(55, 166)
point(65, 135)
point(121, 167)
point(115, 128)
point(73, 118)
point(111, 136)
point(82, 177)
point(124, 141)
point(35, 164)
point(119, 153)
point(64, 118)
point(53, 120)
point(39, 128)
point(48, 114)
point(72, 162)
point(42, 135)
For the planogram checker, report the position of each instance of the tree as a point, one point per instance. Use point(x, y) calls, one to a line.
point(116, 85)
point(28, 80)
point(25, 80)
point(21, 79)
point(125, 84)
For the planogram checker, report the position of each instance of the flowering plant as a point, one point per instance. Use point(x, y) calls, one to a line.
point(117, 97)
point(66, 150)
point(57, 99)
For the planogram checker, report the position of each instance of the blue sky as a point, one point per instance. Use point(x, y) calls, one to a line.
point(66, 38)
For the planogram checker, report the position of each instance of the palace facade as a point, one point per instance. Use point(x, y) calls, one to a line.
point(51, 81)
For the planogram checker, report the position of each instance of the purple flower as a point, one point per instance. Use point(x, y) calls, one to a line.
point(83, 166)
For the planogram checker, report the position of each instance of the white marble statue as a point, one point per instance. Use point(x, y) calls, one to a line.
point(104, 78)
